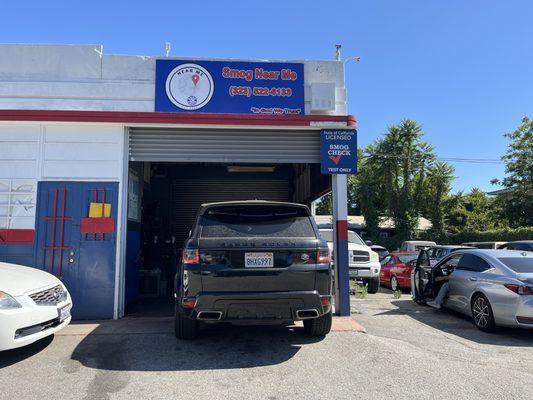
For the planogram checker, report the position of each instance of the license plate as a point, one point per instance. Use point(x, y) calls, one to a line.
point(354, 272)
point(64, 312)
point(259, 260)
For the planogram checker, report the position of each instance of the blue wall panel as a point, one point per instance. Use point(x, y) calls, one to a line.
point(85, 262)
point(16, 253)
point(132, 269)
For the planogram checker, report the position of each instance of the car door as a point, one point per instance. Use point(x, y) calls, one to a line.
point(404, 272)
point(448, 267)
point(400, 270)
point(420, 276)
point(464, 281)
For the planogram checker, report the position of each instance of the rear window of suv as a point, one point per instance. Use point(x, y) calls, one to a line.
point(256, 221)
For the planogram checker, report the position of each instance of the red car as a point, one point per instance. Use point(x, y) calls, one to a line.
point(396, 269)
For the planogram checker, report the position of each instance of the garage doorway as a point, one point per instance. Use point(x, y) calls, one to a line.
point(173, 171)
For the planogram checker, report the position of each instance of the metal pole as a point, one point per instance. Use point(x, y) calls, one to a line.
point(340, 244)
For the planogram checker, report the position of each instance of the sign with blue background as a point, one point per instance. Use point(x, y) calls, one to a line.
point(338, 151)
point(229, 87)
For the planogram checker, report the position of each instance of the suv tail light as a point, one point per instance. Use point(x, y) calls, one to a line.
point(188, 302)
point(323, 256)
point(519, 289)
point(191, 256)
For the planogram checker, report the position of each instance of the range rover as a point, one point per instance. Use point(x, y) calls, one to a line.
point(254, 262)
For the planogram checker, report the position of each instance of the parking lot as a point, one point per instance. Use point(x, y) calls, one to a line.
point(408, 351)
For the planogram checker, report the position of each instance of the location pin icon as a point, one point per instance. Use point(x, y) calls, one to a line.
point(195, 79)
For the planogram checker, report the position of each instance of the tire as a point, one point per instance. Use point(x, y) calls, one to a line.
point(373, 285)
point(318, 326)
point(394, 285)
point(482, 313)
point(185, 328)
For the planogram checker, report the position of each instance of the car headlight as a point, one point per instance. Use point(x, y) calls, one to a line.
point(374, 256)
point(7, 302)
point(63, 295)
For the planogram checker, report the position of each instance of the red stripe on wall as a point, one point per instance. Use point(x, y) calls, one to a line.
point(172, 118)
point(16, 236)
point(342, 230)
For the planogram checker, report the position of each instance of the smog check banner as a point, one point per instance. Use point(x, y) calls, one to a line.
point(229, 87)
point(338, 151)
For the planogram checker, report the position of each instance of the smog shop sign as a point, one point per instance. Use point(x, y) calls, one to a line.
point(338, 151)
point(229, 87)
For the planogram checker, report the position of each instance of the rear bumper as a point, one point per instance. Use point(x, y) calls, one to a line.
point(515, 311)
point(524, 312)
point(256, 307)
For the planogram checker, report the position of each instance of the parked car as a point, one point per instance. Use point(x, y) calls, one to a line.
point(484, 245)
point(254, 262)
point(416, 245)
point(524, 245)
point(33, 304)
point(441, 251)
point(376, 248)
point(494, 287)
point(396, 270)
point(363, 263)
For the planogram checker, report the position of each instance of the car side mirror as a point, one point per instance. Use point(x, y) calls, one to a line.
point(368, 242)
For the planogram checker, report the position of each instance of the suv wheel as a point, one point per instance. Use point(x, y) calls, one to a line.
point(318, 326)
point(482, 313)
point(185, 328)
point(373, 285)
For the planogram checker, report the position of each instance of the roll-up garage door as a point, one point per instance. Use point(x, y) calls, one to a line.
point(225, 145)
point(189, 194)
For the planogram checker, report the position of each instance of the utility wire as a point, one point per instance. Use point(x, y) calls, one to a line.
point(449, 159)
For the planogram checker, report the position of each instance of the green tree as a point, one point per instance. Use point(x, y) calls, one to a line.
point(323, 206)
point(473, 211)
point(518, 203)
point(369, 188)
point(437, 187)
point(403, 161)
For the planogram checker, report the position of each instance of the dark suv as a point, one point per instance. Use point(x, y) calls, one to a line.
point(254, 262)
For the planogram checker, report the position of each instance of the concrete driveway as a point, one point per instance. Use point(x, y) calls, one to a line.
point(409, 352)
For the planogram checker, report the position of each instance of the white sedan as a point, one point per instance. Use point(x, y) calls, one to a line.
point(33, 304)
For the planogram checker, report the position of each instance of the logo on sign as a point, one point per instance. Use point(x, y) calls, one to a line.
point(189, 86)
point(337, 151)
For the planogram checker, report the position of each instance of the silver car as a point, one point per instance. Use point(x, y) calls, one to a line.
point(494, 287)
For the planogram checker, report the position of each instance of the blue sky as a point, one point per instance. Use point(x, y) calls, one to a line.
point(463, 69)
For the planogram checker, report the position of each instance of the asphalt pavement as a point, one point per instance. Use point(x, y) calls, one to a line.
point(408, 352)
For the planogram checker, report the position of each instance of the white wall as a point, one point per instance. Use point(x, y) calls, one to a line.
point(76, 77)
point(52, 151)
point(19, 154)
point(80, 152)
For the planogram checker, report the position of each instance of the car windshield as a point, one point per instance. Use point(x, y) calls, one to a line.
point(520, 265)
point(352, 237)
point(355, 238)
point(405, 258)
point(327, 235)
point(256, 221)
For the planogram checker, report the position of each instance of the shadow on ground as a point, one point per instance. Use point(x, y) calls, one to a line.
point(10, 357)
point(218, 347)
point(460, 325)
